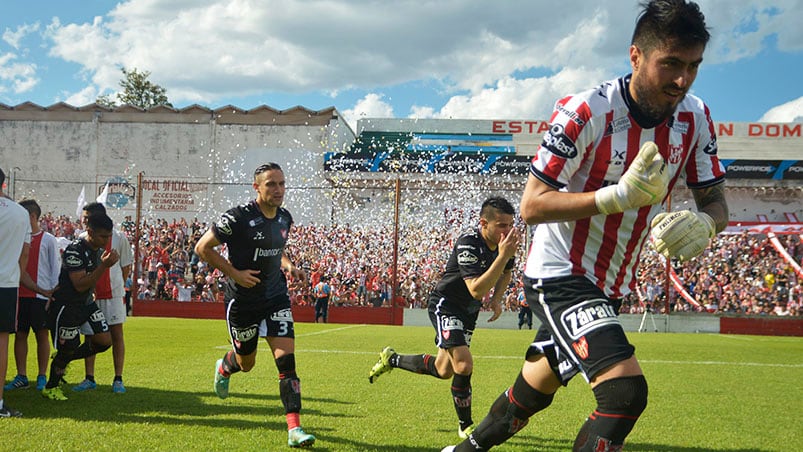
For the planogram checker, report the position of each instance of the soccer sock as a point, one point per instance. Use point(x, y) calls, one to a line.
point(289, 387)
point(420, 364)
point(461, 395)
point(620, 402)
point(90, 377)
point(509, 413)
point(293, 420)
point(118, 378)
point(230, 365)
point(57, 368)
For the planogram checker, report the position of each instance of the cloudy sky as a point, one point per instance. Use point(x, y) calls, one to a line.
point(423, 58)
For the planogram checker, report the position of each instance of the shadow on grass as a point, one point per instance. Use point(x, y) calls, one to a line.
point(553, 444)
point(148, 405)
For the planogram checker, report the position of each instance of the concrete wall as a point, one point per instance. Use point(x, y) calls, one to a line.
point(51, 155)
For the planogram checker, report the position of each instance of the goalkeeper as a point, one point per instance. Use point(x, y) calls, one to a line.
point(595, 193)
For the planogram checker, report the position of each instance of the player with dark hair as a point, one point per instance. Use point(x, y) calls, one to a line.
point(258, 304)
point(44, 265)
point(481, 261)
point(109, 293)
point(83, 263)
point(595, 190)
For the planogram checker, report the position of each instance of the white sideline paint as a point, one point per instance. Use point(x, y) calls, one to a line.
point(331, 330)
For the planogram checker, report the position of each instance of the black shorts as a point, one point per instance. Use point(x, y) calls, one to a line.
point(247, 322)
point(580, 329)
point(8, 309)
point(321, 307)
point(453, 326)
point(65, 320)
point(32, 315)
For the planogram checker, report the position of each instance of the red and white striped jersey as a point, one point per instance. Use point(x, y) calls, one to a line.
point(44, 264)
point(592, 139)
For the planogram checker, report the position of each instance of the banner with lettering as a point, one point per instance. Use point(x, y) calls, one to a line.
point(173, 195)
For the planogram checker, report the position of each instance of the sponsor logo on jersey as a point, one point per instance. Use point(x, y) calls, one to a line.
point(244, 334)
point(270, 252)
point(451, 323)
point(97, 316)
point(680, 127)
point(581, 347)
point(571, 114)
point(463, 247)
point(255, 222)
point(224, 224)
point(66, 334)
point(285, 315)
point(558, 143)
point(711, 147)
point(71, 259)
point(675, 153)
point(587, 316)
point(466, 258)
point(617, 125)
point(564, 366)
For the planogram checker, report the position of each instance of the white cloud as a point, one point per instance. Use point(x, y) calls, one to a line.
point(13, 38)
point(16, 77)
point(86, 96)
point(791, 111)
point(511, 98)
point(370, 106)
point(491, 59)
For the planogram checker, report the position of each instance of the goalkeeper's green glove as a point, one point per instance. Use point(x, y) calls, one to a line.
point(684, 234)
point(644, 183)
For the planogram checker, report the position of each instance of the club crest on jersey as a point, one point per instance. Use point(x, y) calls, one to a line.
point(466, 258)
point(581, 347)
point(675, 153)
point(617, 125)
point(587, 316)
point(558, 143)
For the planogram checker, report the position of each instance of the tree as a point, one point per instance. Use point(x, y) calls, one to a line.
point(137, 91)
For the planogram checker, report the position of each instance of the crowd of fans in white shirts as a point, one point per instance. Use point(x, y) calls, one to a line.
point(738, 274)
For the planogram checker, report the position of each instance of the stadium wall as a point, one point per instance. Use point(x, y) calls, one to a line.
point(676, 323)
point(51, 153)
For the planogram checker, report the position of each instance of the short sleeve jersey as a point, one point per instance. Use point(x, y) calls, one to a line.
point(470, 258)
point(255, 242)
point(592, 139)
point(76, 257)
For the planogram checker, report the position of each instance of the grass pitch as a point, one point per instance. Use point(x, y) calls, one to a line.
point(707, 393)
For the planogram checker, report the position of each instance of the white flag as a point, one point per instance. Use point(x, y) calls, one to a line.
point(103, 195)
point(81, 200)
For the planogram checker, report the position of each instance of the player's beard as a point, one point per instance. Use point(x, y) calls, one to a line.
point(656, 111)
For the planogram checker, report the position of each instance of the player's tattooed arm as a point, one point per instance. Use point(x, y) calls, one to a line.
point(711, 200)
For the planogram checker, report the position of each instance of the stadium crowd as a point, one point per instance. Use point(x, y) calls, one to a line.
point(739, 273)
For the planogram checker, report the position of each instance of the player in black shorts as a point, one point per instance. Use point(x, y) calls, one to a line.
point(481, 260)
point(83, 262)
point(594, 195)
point(257, 302)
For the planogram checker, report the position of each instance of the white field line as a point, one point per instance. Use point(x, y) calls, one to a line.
point(261, 343)
point(645, 361)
